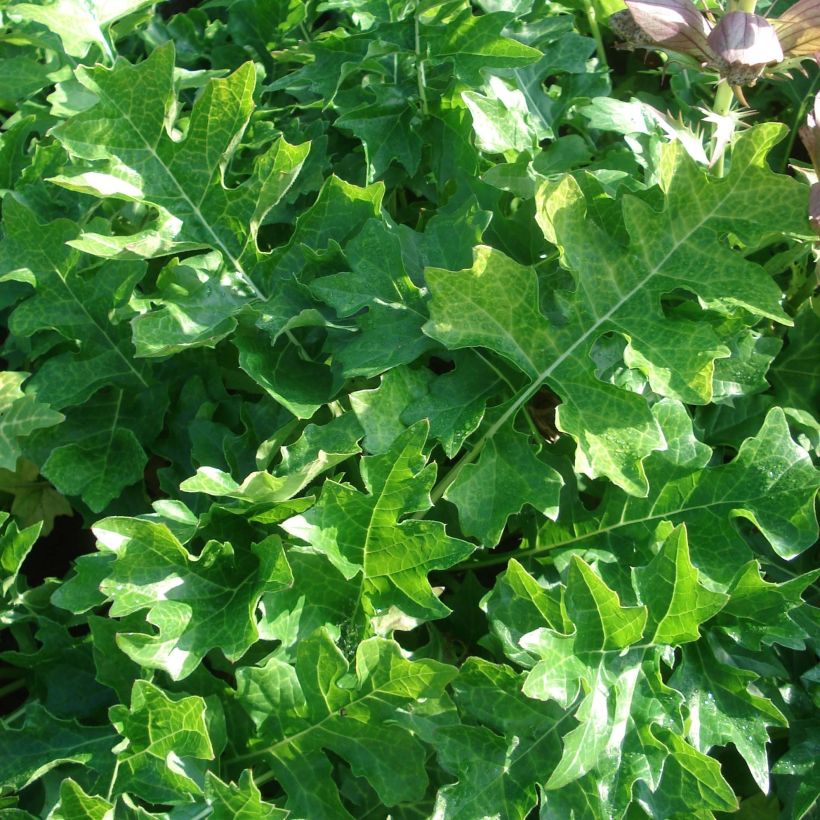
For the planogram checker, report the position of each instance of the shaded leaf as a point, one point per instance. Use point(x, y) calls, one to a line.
point(44, 742)
point(506, 476)
point(357, 721)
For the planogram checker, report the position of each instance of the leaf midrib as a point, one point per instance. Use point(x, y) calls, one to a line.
point(294, 738)
point(527, 393)
point(219, 243)
point(63, 279)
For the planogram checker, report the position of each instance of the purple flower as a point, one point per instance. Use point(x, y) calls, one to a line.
point(810, 137)
point(798, 29)
point(740, 46)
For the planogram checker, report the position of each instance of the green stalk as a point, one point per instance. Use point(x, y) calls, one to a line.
point(592, 19)
point(420, 76)
point(7, 720)
point(724, 94)
point(12, 687)
point(721, 107)
point(798, 121)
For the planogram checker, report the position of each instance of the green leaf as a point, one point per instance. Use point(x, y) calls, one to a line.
point(455, 402)
point(722, 709)
point(675, 599)
point(517, 605)
point(495, 303)
point(182, 178)
point(20, 415)
point(603, 673)
point(759, 612)
point(601, 622)
point(45, 742)
point(390, 330)
point(499, 763)
point(155, 729)
point(21, 76)
point(501, 119)
point(193, 308)
point(286, 374)
point(99, 449)
point(388, 129)
point(745, 371)
point(339, 211)
point(15, 545)
point(114, 668)
point(267, 692)
point(79, 25)
point(473, 44)
point(613, 680)
point(72, 300)
point(689, 778)
point(81, 592)
point(75, 804)
point(363, 532)
point(257, 489)
point(259, 23)
point(769, 475)
point(318, 598)
point(357, 718)
point(507, 476)
point(197, 603)
point(99, 470)
point(239, 800)
point(379, 410)
point(58, 668)
point(801, 762)
point(448, 238)
point(794, 375)
point(318, 449)
point(34, 500)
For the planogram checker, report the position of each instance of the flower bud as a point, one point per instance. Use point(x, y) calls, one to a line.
point(624, 25)
point(676, 25)
point(810, 134)
point(744, 45)
point(814, 207)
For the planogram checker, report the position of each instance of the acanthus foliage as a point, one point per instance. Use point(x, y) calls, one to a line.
point(447, 455)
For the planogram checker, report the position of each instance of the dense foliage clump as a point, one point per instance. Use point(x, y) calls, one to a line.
point(407, 410)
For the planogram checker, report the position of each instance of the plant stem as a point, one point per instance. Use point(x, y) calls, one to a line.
point(263, 778)
point(110, 791)
point(473, 453)
point(420, 78)
point(724, 94)
point(798, 120)
point(12, 687)
point(592, 19)
point(7, 720)
point(721, 107)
